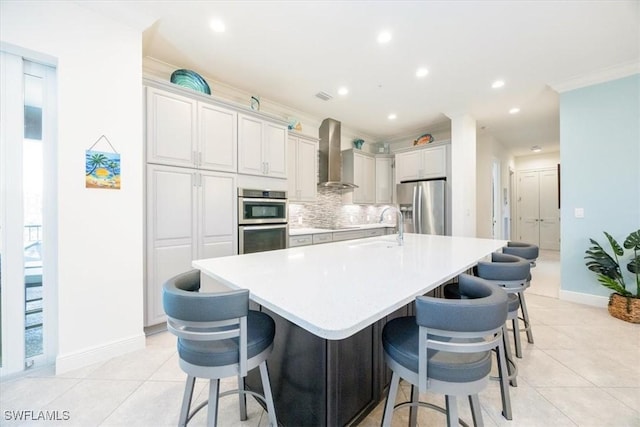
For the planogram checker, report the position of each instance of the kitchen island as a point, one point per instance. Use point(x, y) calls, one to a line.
point(330, 303)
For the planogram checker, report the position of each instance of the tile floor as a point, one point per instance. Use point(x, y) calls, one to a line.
point(583, 370)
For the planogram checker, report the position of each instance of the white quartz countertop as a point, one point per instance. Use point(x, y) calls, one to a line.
point(337, 289)
point(311, 230)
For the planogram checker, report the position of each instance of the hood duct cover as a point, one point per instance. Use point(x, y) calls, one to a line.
point(330, 156)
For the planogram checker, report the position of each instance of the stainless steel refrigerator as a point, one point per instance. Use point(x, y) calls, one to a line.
point(423, 204)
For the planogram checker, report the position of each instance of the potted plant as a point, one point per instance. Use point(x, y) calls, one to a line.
point(623, 303)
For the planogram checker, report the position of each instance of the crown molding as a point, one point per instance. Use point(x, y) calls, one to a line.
point(600, 76)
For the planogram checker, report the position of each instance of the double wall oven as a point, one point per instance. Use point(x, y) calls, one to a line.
point(262, 220)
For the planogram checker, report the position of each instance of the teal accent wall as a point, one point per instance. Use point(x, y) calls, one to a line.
point(600, 172)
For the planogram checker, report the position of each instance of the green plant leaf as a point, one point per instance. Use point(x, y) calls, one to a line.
point(634, 265)
point(615, 246)
point(600, 262)
point(612, 284)
point(633, 241)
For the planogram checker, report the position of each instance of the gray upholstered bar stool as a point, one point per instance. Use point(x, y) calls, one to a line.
point(218, 337)
point(446, 348)
point(513, 273)
point(528, 251)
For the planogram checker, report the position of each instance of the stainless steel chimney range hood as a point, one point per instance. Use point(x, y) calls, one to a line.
point(331, 157)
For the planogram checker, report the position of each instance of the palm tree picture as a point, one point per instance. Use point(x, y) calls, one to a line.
point(102, 170)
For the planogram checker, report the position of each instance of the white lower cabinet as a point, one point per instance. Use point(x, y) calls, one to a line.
point(191, 214)
point(336, 236)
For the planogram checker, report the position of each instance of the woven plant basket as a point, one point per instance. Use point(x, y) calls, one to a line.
point(625, 308)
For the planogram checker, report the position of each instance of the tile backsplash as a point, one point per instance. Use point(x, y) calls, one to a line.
point(329, 212)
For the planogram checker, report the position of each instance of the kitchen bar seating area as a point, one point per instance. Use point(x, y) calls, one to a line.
point(568, 378)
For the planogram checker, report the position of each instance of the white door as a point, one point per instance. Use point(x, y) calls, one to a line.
point(275, 150)
point(217, 140)
point(27, 214)
point(538, 211)
point(549, 210)
point(528, 207)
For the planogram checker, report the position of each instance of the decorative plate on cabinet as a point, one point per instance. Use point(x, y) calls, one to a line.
point(190, 79)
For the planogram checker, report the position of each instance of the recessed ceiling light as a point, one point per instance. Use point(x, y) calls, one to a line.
point(536, 149)
point(384, 37)
point(392, 116)
point(497, 84)
point(514, 110)
point(421, 72)
point(343, 91)
point(217, 25)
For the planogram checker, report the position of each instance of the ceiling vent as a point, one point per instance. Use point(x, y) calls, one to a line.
point(324, 96)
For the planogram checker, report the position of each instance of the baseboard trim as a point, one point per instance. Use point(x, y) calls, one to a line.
point(587, 299)
point(80, 359)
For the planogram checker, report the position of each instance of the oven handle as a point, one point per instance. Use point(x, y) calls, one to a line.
point(259, 199)
point(262, 227)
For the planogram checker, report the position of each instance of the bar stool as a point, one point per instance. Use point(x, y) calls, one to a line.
point(528, 251)
point(446, 348)
point(218, 337)
point(512, 273)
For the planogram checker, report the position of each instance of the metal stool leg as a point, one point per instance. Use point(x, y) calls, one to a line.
point(525, 317)
point(212, 411)
point(504, 385)
point(186, 401)
point(391, 400)
point(242, 398)
point(413, 410)
point(476, 412)
point(511, 364)
point(268, 396)
point(452, 410)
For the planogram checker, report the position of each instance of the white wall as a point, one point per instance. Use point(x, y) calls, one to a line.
point(537, 161)
point(489, 150)
point(100, 232)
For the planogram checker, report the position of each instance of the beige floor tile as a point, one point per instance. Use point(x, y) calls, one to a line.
point(591, 407)
point(598, 368)
point(630, 396)
point(138, 365)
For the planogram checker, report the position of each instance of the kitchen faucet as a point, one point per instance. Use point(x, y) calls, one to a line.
point(400, 223)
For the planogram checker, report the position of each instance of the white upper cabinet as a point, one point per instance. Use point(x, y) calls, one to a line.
point(423, 163)
point(171, 128)
point(384, 179)
point(303, 168)
point(359, 168)
point(185, 132)
point(217, 138)
point(262, 147)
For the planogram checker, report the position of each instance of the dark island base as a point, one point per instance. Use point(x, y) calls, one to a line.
point(319, 382)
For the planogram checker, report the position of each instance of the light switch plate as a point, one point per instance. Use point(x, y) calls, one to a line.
point(578, 212)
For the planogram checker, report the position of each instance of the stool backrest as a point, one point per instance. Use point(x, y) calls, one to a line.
point(504, 269)
point(196, 316)
point(527, 251)
point(469, 325)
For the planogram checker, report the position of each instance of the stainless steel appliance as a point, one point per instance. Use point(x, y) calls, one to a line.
point(423, 206)
point(262, 220)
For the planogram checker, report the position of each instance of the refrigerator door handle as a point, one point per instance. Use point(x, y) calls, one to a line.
point(417, 209)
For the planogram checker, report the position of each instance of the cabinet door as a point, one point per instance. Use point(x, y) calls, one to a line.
point(275, 150)
point(408, 166)
point(217, 215)
point(364, 178)
point(217, 138)
point(250, 147)
point(434, 162)
point(171, 129)
point(384, 180)
point(171, 230)
point(292, 169)
point(307, 170)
